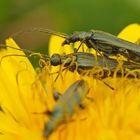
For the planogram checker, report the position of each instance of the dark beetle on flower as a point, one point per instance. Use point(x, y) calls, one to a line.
point(66, 105)
point(82, 62)
point(106, 44)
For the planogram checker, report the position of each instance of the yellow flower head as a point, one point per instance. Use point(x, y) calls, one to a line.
point(28, 109)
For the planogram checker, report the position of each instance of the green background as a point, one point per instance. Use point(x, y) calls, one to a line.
point(64, 16)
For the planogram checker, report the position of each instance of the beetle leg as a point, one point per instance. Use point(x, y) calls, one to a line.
point(94, 47)
point(76, 50)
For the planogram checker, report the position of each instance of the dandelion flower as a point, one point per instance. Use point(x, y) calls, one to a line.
point(25, 96)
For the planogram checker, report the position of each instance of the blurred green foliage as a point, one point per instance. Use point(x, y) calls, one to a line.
point(64, 16)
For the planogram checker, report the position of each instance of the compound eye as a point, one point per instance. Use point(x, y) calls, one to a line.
point(72, 39)
point(67, 41)
point(55, 60)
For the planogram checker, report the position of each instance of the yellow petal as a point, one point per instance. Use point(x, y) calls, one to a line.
point(55, 46)
point(19, 98)
point(131, 33)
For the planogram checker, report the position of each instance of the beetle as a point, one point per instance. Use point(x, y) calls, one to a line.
point(106, 44)
point(66, 105)
point(79, 60)
point(82, 62)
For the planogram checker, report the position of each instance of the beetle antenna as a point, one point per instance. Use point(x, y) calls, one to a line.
point(27, 52)
point(3, 46)
point(43, 30)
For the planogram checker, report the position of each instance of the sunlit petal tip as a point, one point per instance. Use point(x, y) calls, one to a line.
point(10, 41)
point(131, 33)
